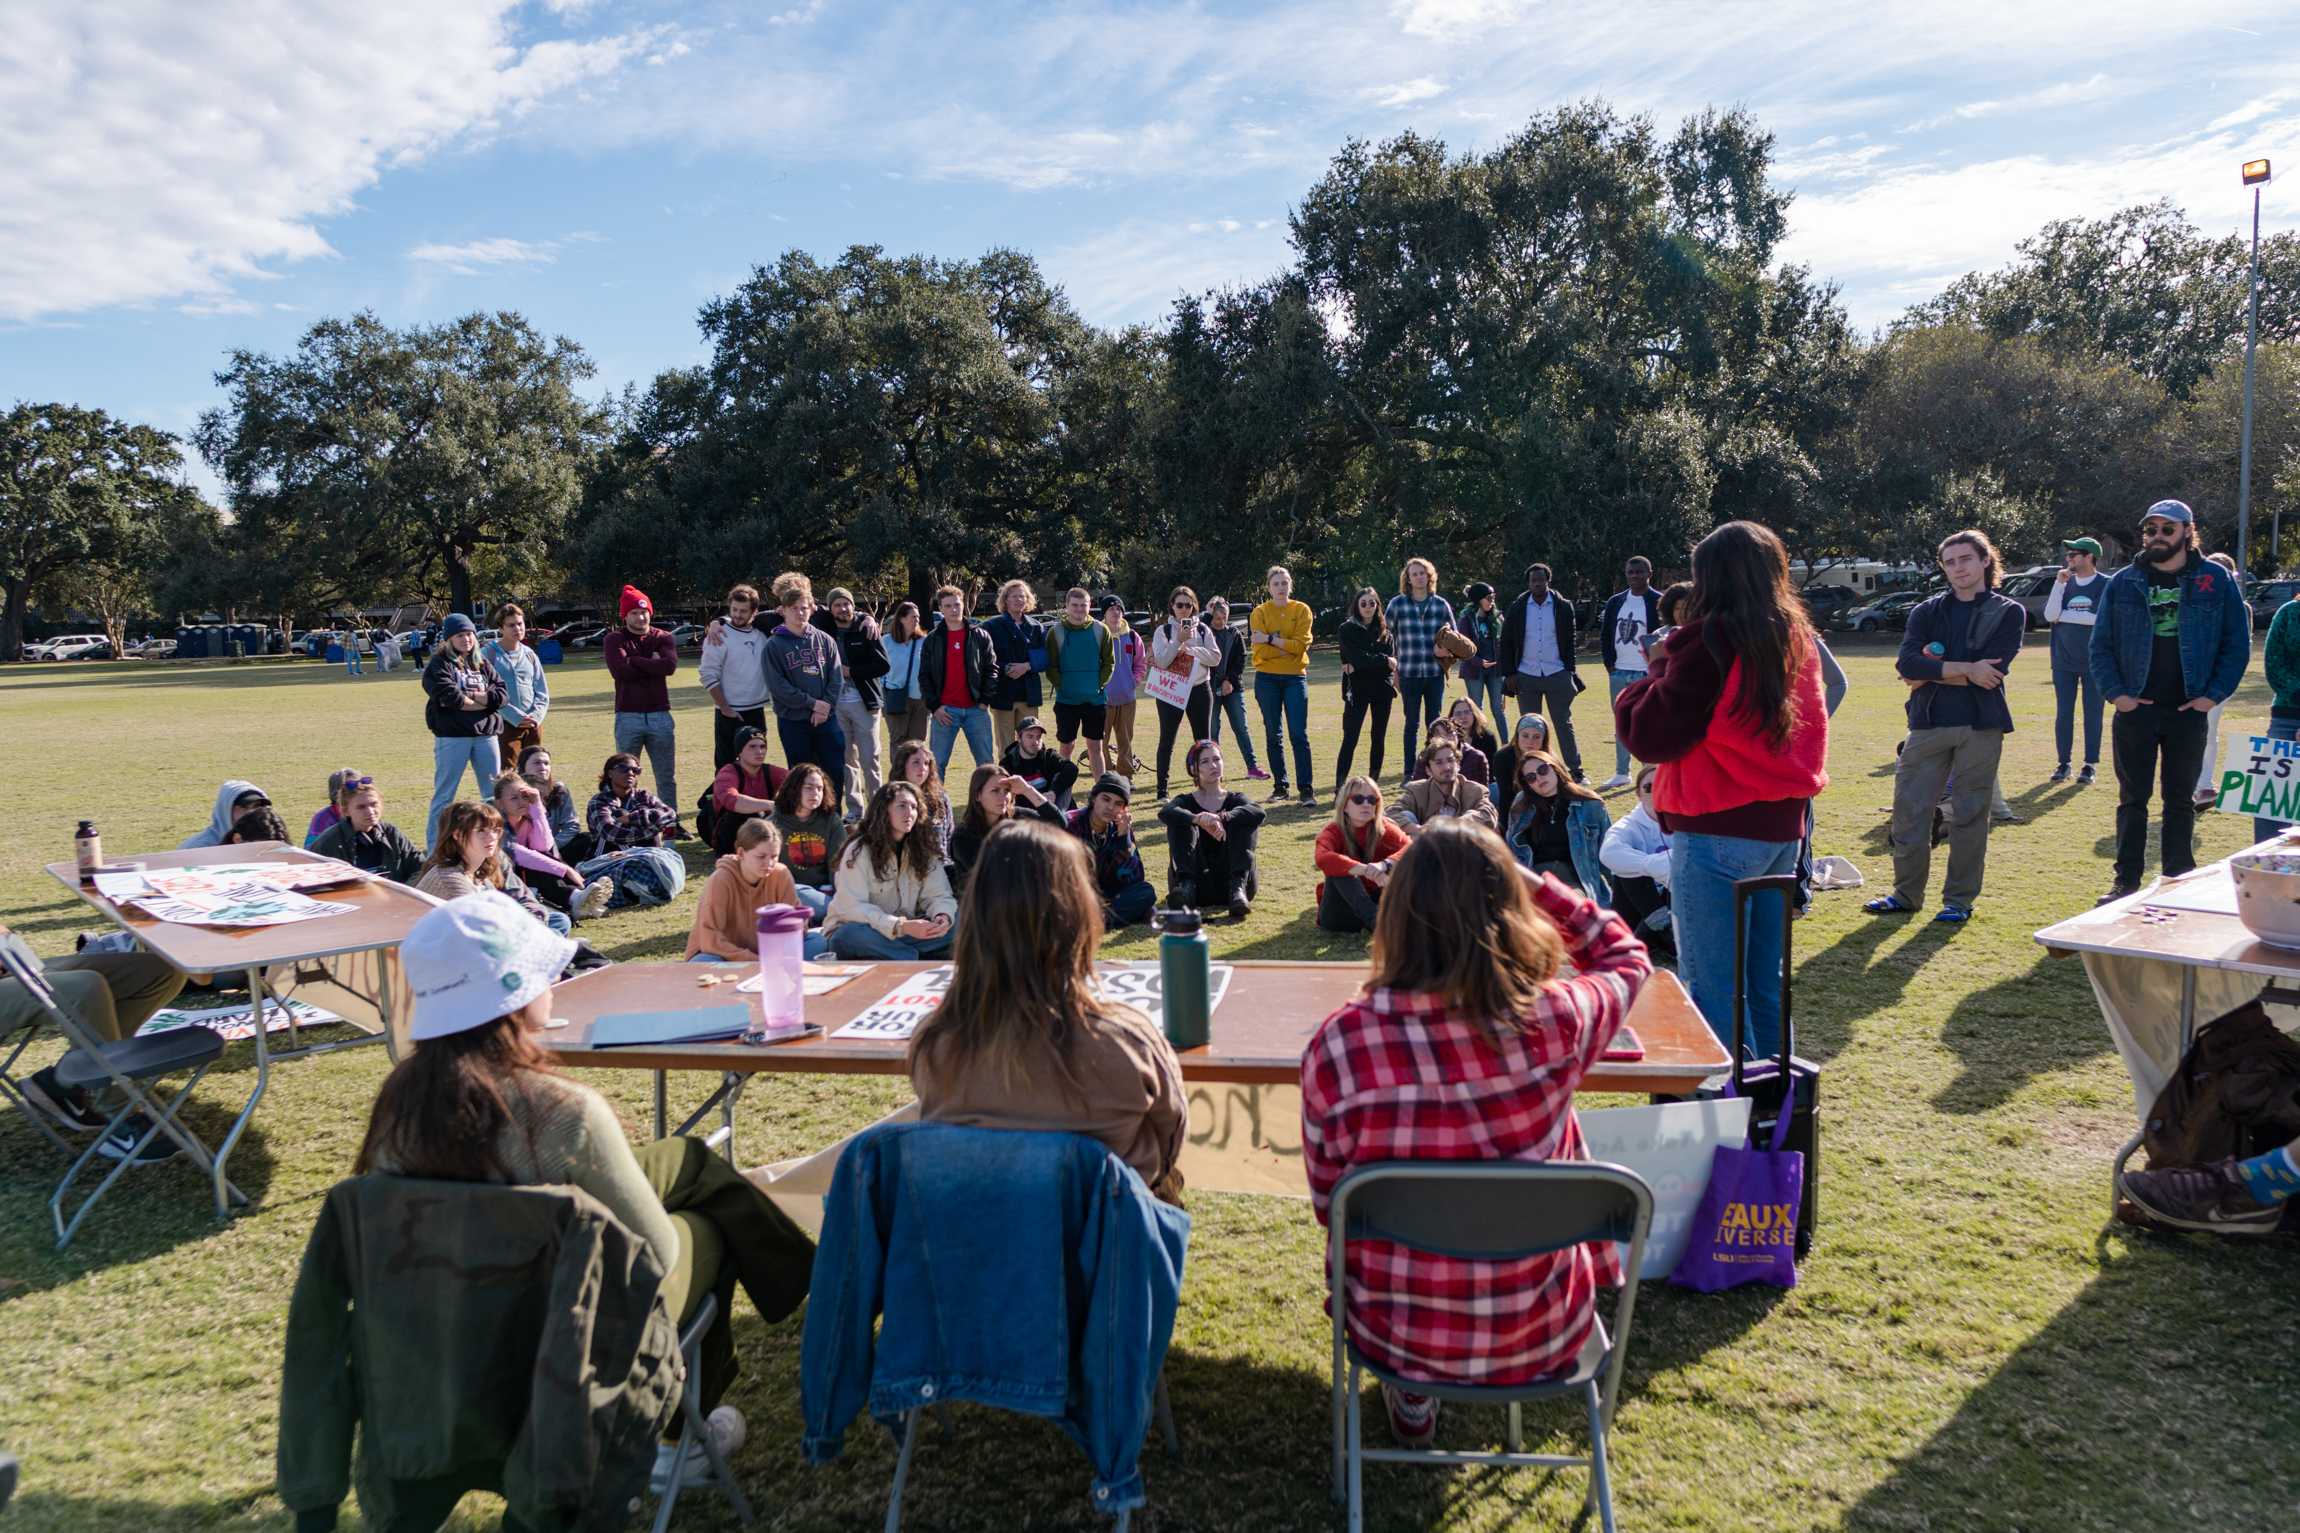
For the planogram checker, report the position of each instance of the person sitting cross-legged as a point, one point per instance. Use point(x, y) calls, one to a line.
point(1106, 825)
point(1466, 1044)
point(1441, 792)
point(468, 857)
point(744, 787)
point(726, 926)
point(1210, 832)
point(1355, 856)
point(1030, 758)
point(891, 896)
point(993, 796)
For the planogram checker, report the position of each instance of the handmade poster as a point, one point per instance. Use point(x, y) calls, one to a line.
point(244, 904)
point(232, 1022)
point(194, 883)
point(1671, 1146)
point(895, 1016)
point(2262, 779)
point(1171, 687)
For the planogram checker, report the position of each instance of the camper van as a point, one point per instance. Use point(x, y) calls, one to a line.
point(1864, 577)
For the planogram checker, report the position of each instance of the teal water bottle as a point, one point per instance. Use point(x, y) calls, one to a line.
point(1185, 963)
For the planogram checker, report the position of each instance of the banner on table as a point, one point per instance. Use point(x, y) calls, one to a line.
point(2262, 779)
point(893, 1017)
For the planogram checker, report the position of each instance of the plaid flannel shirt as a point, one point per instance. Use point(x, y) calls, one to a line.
point(1414, 629)
point(637, 819)
point(1397, 1076)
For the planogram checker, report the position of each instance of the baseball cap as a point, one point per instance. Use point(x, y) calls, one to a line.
point(2171, 511)
point(1028, 723)
point(476, 958)
point(2082, 545)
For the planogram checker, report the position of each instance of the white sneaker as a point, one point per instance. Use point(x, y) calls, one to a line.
point(591, 904)
point(727, 1429)
point(1617, 780)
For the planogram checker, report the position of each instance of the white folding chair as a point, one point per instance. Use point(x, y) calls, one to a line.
point(1489, 1210)
point(133, 1067)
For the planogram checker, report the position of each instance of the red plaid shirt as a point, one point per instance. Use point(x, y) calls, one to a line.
point(1396, 1076)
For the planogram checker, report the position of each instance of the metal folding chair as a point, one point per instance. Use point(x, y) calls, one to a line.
point(12, 1089)
point(1162, 1408)
point(1486, 1211)
point(131, 1066)
point(697, 1430)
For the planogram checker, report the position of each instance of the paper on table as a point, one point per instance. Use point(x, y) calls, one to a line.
point(1141, 985)
point(817, 981)
point(122, 886)
point(2211, 891)
point(251, 904)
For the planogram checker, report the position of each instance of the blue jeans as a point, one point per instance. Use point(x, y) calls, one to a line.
point(817, 901)
point(558, 921)
point(1614, 682)
point(660, 738)
point(2278, 729)
point(824, 744)
point(1289, 696)
point(449, 756)
point(941, 737)
point(351, 661)
point(1702, 872)
point(1235, 706)
point(1424, 698)
point(1486, 693)
point(855, 940)
point(2065, 686)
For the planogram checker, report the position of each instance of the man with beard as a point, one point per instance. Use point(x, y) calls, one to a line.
point(2172, 641)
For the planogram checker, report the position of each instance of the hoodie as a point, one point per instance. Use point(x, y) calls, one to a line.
point(737, 666)
point(220, 822)
point(727, 916)
point(1636, 847)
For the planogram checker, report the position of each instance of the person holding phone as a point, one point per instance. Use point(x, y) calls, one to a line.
point(1183, 647)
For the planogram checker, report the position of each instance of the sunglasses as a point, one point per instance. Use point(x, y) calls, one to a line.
point(622, 768)
point(2150, 529)
point(360, 782)
point(1533, 774)
point(1364, 800)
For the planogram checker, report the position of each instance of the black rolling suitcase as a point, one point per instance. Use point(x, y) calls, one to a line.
point(1774, 1086)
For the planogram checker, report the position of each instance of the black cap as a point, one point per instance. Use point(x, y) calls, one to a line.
point(1028, 722)
point(1113, 784)
point(747, 734)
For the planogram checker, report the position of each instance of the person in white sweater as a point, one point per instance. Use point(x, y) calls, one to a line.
point(1184, 646)
point(891, 897)
point(1635, 853)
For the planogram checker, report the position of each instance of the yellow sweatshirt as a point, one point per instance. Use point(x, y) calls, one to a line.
point(1290, 622)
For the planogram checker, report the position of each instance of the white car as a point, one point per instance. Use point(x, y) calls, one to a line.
point(75, 646)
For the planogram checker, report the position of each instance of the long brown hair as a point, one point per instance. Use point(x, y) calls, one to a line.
point(934, 799)
point(974, 817)
point(1741, 592)
point(913, 854)
point(1566, 786)
point(1456, 921)
point(1360, 846)
point(447, 851)
point(442, 1110)
point(787, 799)
point(1022, 964)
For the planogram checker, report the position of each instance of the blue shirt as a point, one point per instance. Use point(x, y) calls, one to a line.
point(1414, 629)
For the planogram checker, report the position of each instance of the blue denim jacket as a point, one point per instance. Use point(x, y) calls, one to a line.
point(1028, 1271)
point(2215, 633)
point(1586, 823)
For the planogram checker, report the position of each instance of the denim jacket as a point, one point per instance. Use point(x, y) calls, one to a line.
point(2215, 633)
point(1028, 1271)
point(1586, 823)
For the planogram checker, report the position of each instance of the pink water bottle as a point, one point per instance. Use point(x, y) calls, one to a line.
point(782, 972)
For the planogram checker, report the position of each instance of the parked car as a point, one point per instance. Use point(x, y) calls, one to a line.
point(1886, 613)
point(155, 649)
point(2267, 596)
point(2032, 589)
point(1825, 602)
point(582, 636)
point(75, 646)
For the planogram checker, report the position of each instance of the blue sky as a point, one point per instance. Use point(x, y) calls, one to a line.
point(185, 179)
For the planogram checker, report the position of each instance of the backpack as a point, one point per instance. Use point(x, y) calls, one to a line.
point(2236, 1093)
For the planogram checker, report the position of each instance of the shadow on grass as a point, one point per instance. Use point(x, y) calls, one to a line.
point(2078, 1427)
point(1849, 980)
point(1302, 938)
point(2040, 1021)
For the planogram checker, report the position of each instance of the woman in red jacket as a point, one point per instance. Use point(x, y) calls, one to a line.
point(1732, 711)
point(1354, 856)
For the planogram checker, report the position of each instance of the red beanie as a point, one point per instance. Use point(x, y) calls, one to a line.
point(632, 597)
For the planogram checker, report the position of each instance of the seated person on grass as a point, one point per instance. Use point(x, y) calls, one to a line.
point(527, 837)
point(469, 857)
point(624, 815)
point(233, 799)
point(1636, 855)
point(338, 784)
point(1475, 764)
point(567, 832)
point(1559, 825)
point(1439, 791)
point(745, 786)
point(366, 840)
point(813, 835)
point(1466, 1045)
point(1024, 1039)
point(1106, 825)
point(993, 796)
point(727, 917)
point(1355, 856)
point(891, 896)
point(1030, 758)
point(261, 823)
point(1210, 834)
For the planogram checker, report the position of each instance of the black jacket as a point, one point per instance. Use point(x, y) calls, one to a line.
point(1612, 610)
point(443, 713)
point(981, 665)
point(1232, 644)
point(1012, 639)
point(1513, 632)
point(859, 654)
point(1368, 658)
point(385, 850)
point(966, 844)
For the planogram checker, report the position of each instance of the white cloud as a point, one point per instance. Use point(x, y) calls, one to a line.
point(466, 260)
point(165, 152)
point(1405, 93)
point(798, 15)
point(1133, 273)
point(2066, 93)
point(1445, 18)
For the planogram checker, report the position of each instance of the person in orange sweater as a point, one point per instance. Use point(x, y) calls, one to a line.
point(1354, 856)
point(727, 917)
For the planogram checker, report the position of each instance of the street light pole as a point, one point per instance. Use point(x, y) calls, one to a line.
point(2255, 176)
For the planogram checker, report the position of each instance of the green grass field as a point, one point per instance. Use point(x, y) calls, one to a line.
point(1967, 1349)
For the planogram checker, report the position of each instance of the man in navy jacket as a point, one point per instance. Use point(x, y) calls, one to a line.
point(2172, 640)
point(1954, 655)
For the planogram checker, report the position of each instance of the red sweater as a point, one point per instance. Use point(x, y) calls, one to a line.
point(1720, 774)
point(1335, 857)
point(641, 667)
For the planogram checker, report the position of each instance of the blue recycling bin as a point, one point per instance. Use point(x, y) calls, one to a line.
point(550, 652)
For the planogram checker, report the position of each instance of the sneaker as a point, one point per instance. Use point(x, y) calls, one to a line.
point(1239, 909)
point(1616, 781)
point(1256, 774)
point(1413, 1418)
point(1580, 778)
point(2209, 1197)
point(2059, 773)
point(592, 903)
point(725, 1424)
point(1279, 794)
point(2085, 778)
point(1309, 798)
point(678, 832)
point(2117, 892)
point(2207, 797)
point(120, 1144)
point(2008, 817)
point(68, 1107)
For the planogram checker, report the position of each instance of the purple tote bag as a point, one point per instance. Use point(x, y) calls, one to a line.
point(1745, 1230)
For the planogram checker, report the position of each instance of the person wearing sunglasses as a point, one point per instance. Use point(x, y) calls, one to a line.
point(622, 814)
point(1354, 856)
point(1559, 826)
point(1183, 646)
point(2172, 640)
point(1635, 855)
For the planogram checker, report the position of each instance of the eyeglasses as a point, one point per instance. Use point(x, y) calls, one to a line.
point(1364, 800)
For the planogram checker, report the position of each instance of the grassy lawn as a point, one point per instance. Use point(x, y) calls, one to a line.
point(1967, 1348)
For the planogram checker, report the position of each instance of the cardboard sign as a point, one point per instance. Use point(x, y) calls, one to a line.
point(1171, 687)
point(1671, 1146)
point(2262, 779)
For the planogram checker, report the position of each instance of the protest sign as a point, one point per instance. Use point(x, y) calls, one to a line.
point(2262, 780)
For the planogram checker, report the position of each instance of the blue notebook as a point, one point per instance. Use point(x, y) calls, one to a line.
point(705, 1024)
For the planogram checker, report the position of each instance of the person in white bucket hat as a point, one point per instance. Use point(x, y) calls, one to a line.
point(480, 1100)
